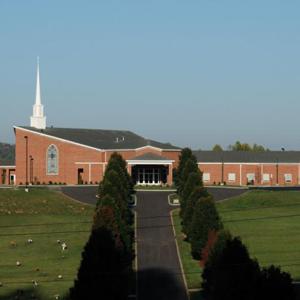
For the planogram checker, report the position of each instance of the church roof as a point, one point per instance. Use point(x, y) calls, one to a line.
point(248, 156)
point(102, 138)
point(149, 156)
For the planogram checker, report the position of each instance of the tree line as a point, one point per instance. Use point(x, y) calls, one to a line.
point(238, 146)
point(228, 270)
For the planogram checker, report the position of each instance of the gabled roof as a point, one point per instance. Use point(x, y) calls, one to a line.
point(102, 138)
point(149, 156)
point(248, 156)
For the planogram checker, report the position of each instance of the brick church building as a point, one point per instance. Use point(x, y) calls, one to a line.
point(49, 155)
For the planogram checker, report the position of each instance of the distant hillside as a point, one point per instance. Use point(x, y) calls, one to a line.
point(7, 153)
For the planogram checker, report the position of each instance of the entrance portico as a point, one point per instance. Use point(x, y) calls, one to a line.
point(151, 169)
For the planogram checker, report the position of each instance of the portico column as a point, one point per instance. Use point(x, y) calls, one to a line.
point(170, 175)
point(129, 169)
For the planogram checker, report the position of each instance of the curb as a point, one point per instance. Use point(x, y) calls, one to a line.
point(179, 257)
point(145, 190)
point(169, 200)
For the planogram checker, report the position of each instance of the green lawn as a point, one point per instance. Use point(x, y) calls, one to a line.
point(44, 216)
point(268, 223)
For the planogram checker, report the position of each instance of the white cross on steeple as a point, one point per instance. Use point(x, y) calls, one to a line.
point(38, 120)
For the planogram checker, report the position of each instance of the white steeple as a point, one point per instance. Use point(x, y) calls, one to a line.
point(38, 120)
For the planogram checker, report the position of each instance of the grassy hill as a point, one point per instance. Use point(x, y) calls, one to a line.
point(45, 217)
point(268, 223)
point(7, 153)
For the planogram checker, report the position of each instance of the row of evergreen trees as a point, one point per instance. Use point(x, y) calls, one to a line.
point(198, 212)
point(106, 265)
point(229, 272)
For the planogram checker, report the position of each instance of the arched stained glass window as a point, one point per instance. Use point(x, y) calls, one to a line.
point(52, 160)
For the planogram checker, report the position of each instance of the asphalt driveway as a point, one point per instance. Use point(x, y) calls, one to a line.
point(87, 194)
point(159, 275)
point(159, 272)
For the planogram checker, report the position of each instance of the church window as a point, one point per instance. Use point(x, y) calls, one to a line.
point(52, 160)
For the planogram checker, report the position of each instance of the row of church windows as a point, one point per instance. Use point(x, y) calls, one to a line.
point(250, 177)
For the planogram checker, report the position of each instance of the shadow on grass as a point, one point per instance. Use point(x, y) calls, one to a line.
point(196, 295)
point(22, 294)
point(153, 283)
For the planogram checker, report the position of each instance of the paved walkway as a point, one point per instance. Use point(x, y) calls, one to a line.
point(159, 273)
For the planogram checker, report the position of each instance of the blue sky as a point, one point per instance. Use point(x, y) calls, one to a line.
point(193, 73)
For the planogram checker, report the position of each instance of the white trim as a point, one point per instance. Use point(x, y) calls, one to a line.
point(245, 163)
point(149, 162)
point(7, 167)
point(148, 146)
point(89, 163)
point(141, 148)
point(59, 139)
point(209, 163)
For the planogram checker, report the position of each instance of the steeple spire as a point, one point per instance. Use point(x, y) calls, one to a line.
point(38, 90)
point(38, 120)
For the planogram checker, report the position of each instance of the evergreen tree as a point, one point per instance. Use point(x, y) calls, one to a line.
point(276, 284)
point(108, 215)
point(105, 259)
point(198, 192)
point(193, 181)
point(186, 154)
point(205, 218)
point(190, 166)
point(230, 273)
point(104, 269)
point(117, 163)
